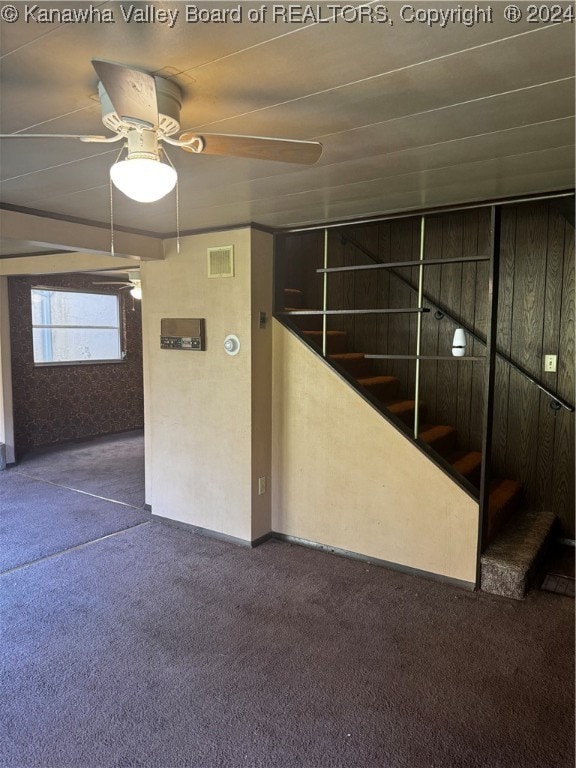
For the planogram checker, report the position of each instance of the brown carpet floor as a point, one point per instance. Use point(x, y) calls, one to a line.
point(158, 648)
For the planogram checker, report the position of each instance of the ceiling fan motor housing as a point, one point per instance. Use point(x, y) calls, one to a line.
point(142, 144)
point(169, 100)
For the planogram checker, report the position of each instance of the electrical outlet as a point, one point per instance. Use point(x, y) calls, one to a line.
point(550, 363)
point(261, 486)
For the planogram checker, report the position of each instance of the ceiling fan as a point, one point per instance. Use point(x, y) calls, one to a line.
point(133, 283)
point(144, 110)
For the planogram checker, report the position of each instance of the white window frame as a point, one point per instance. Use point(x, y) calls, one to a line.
point(118, 327)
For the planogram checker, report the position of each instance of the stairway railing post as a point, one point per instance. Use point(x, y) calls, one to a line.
point(325, 296)
point(488, 417)
point(419, 329)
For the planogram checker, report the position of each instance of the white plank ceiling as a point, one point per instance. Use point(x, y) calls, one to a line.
point(411, 116)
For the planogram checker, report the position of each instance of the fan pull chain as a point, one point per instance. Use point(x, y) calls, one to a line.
point(112, 207)
point(167, 156)
point(111, 220)
point(177, 219)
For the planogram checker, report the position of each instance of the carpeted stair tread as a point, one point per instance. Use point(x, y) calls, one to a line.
point(385, 388)
point(440, 437)
point(468, 464)
point(333, 334)
point(510, 560)
point(369, 381)
point(403, 409)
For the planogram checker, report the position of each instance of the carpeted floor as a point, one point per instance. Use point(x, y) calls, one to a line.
point(38, 519)
point(159, 648)
point(111, 466)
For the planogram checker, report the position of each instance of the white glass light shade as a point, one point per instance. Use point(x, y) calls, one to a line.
point(142, 179)
point(136, 291)
point(459, 343)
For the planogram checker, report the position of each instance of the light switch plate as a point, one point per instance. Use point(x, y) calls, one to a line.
point(550, 363)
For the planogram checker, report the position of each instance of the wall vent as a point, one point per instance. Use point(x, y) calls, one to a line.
point(221, 261)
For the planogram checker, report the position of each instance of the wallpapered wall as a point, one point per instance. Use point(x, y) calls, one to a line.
point(58, 403)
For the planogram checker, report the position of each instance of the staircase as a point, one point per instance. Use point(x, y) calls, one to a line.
point(514, 537)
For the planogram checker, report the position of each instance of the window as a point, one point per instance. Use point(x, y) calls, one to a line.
point(74, 327)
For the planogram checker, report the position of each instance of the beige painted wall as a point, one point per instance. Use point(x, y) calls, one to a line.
point(344, 477)
point(204, 451)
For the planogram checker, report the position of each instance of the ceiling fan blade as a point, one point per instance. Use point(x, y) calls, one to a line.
point(257, 147)
point(132, 93)
point(57, 136)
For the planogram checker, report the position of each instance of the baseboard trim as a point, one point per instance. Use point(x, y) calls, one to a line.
point(468, 585)
point(199, 531)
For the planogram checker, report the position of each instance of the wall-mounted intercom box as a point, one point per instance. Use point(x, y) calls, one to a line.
point(183, 333)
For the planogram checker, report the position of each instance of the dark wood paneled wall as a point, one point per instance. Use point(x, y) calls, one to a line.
point(532, 443)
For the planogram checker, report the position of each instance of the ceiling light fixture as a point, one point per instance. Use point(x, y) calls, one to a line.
point(143, 176)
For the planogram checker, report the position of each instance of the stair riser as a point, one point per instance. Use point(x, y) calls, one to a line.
point(307, 322)
point(334, 344)
point(469, 466)
point(384, 391)
point(293, 299)
point(504, 500)
point(407, 416)
point(358, 368)
point(473, 476)
point(444, 445)
point(497, 517)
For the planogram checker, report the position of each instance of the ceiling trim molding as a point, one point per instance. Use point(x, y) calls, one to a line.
point(428, 211)
point(227, 228)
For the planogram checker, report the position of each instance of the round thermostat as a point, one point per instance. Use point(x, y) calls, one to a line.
point(232, 345)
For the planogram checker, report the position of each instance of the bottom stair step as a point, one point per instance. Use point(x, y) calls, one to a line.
point(509, 564)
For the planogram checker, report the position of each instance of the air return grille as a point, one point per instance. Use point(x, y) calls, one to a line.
point(221, 261)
